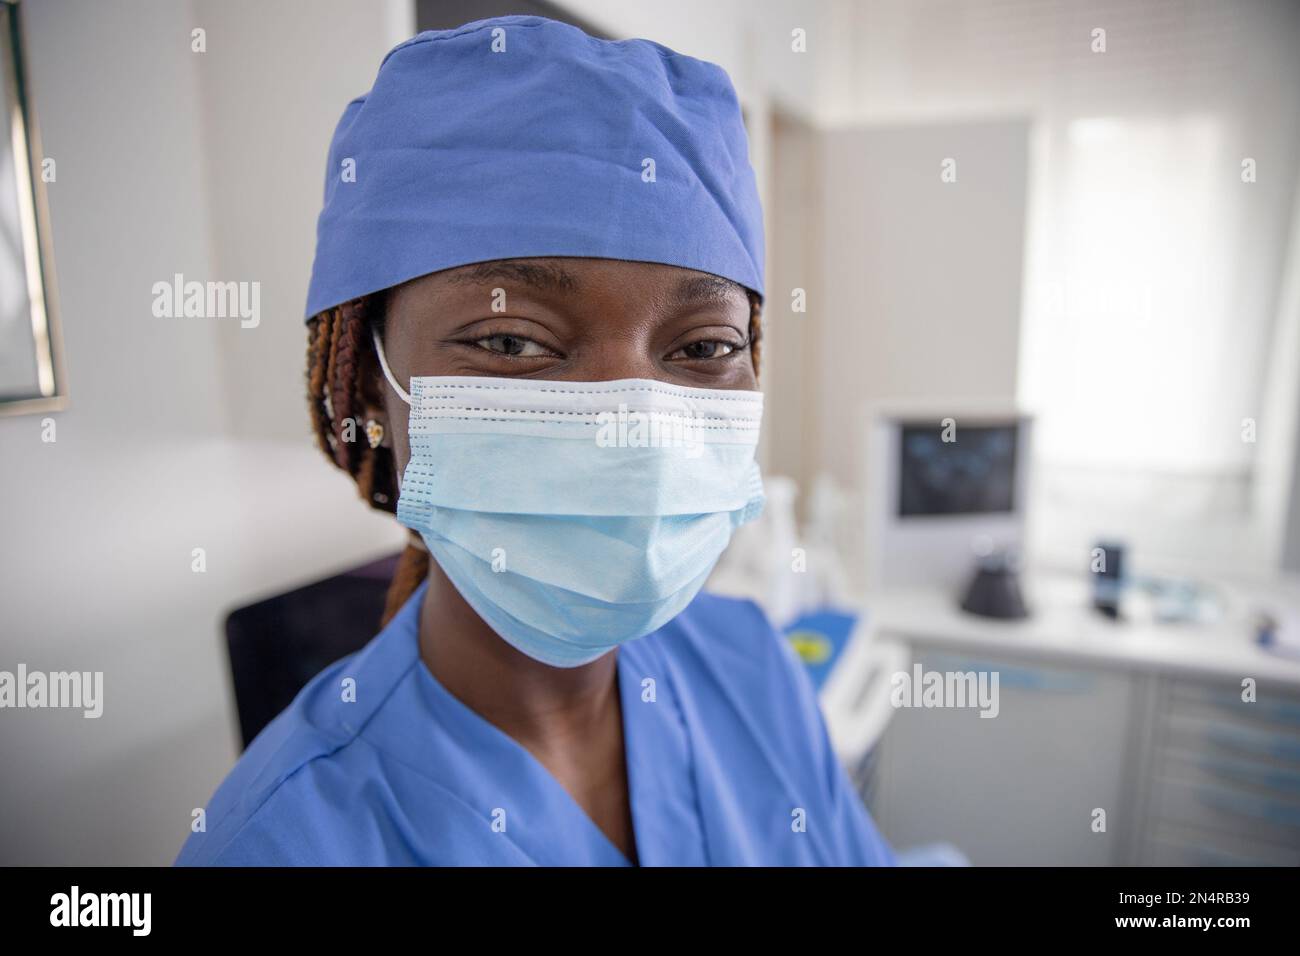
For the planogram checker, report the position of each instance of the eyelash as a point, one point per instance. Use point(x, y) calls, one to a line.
point(733, 349)
point(505, 355)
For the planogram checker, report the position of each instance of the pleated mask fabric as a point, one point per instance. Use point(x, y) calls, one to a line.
point(575, 516)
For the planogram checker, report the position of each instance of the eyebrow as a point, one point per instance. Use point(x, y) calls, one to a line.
point(540, 276)
point(548, 277)
point(706, 289)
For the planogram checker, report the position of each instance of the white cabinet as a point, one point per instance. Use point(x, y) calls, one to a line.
point(1187, 772)
point(1021, 787)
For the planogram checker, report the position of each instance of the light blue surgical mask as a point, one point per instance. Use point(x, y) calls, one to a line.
point(575, 516)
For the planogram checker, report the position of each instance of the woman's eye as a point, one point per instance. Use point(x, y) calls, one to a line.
point(707, 349)
point(514, 346)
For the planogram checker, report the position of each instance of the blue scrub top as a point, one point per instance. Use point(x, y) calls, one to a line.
point(728, 763)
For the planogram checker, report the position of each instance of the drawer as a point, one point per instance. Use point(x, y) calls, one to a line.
point(1274, 709)
point(1248, 740)
point(1217, 767)
point(1174, 845)
point(1221, 808)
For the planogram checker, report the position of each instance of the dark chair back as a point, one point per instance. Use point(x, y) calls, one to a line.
point(277, 645)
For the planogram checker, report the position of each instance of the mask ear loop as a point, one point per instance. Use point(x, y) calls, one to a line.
point(402, 393)
point(383, 364)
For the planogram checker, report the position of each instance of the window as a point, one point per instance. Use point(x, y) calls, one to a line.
point(1146, 326)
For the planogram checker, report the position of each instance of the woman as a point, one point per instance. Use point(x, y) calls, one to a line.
point(533, 335)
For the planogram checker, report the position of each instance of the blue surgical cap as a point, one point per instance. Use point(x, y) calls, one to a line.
point(521, 136)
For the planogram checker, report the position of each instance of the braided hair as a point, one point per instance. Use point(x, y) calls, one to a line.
point(338, 343)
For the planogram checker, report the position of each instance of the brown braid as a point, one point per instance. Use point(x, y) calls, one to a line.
point(336, 339)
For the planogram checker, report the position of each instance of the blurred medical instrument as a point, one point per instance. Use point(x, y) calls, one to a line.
point(770, 563)
point(994, 591)
point(1108, 577)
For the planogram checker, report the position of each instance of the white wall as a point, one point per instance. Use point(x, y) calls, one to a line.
point(921, 278)
point(750, 39)
point(115, 93)
point(273, 84)
point(209, 165)
point(128, 208)
point(792, 432)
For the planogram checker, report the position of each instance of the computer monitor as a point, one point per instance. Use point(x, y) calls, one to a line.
point(942, 475)
point(944, 484)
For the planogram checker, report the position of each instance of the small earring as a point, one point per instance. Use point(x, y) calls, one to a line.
point(374, 433)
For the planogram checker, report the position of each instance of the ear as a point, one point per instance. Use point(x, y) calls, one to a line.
point(371, 386)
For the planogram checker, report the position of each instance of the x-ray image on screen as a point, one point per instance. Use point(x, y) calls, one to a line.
point(975, 474)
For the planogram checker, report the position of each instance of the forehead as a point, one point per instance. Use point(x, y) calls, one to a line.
point(569, 278)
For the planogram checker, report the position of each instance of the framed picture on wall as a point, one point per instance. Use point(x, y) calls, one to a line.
point(31, 361)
